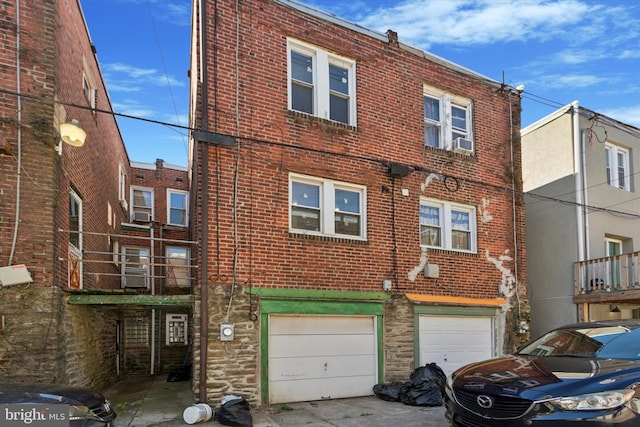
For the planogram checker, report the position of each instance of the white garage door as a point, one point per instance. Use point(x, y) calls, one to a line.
point(321, 357)
point(454, 341)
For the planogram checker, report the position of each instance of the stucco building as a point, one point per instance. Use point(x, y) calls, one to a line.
point(580, 184)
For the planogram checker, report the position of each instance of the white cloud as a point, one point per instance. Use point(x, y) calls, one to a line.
point(427, 22)
point(571, 81)
point(129, 70)
point(128, 78)
point(132, 107)
point(629, 115)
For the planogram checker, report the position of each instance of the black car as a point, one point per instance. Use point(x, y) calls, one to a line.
point(86, 407)
point(582, 374)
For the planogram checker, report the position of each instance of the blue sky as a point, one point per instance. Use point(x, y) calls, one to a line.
point(561, 50)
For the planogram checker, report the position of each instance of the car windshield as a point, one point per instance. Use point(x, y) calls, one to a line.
point(607, 342)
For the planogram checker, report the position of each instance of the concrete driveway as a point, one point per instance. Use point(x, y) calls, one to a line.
point(152, 401)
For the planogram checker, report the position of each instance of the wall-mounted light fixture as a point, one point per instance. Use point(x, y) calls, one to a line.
point(72, 134)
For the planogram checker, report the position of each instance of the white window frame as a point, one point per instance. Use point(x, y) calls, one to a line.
point(327, 206)
point(176, 327)
point(122, 183)
point(612, 153)
point(321, 61)
point(446, 225)
point(133, 270)
point(445, 123)
point(88, 85)
point(135, 207)
point(170, 207)
point(184, 279)
point(73, 196)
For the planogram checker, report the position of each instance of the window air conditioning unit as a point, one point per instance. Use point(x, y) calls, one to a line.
point(134, 277)
point(461, 145)
point(124, 204)
point(141, 216)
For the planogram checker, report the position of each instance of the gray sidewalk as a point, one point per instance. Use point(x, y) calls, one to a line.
point(152, 401)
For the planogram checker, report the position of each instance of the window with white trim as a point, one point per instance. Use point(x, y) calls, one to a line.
point(321, 84)
point(326, 207)
point(617, 165)
point(88, 84)
point(176, 327)
point(447, 121)
point(75, 220)
point(178, 271)
point(447, 226)
point(141, 204)
point(122, 181)
point(135, 267)
point(177, 202)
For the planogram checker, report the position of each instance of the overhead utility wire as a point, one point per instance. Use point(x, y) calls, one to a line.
point(166, 74)
point(416, 168)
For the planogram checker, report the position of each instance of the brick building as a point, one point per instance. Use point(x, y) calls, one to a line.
point(358, 206)
point(67, 218)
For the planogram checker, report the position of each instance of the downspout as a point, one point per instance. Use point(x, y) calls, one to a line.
point(582, 312)
point(204, 245)
point(577, 164)
point(585, 196)
point(19, 107)
point(153, 342)
point(153, 292)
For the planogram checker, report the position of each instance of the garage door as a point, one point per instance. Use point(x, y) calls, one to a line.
point(454, 341)
point(321, 357)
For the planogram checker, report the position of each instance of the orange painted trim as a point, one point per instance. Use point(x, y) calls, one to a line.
point(442, 299)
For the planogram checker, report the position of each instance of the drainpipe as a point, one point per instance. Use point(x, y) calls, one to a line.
point(578, 172)
point(19, 112)
point(204, 161)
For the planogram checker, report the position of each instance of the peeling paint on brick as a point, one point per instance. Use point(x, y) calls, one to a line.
point(427, 181)
point(413, 274)
point(485, 215)
point(508, 282)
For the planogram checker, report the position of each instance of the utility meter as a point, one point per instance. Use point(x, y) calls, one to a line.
point(226, 332)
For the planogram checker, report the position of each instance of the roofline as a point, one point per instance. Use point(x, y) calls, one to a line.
point(585, 112)
point(385, 38)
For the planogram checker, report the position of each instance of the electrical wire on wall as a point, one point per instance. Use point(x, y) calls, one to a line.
point(236, 177)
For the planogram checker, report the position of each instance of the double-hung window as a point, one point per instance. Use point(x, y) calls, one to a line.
point(447, 226)
point(178, 266)
point(177, 207)
point(326, 207)
point(321, 84)
point(88, 85)
point(135, 267)
point(142, 204)
point(75, 221)
point(617, 165)
point(447, 121)
point(122, 185)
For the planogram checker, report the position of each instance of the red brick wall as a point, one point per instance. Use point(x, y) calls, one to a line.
point(45, 339)
point(390, 128)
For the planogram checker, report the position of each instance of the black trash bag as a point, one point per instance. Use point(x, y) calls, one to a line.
point(181, 373)
point(235, 413)
point(389, 392)
point(427, 373)
point(425, 394)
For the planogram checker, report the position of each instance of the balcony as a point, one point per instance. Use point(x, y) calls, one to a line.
point(609, 279)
